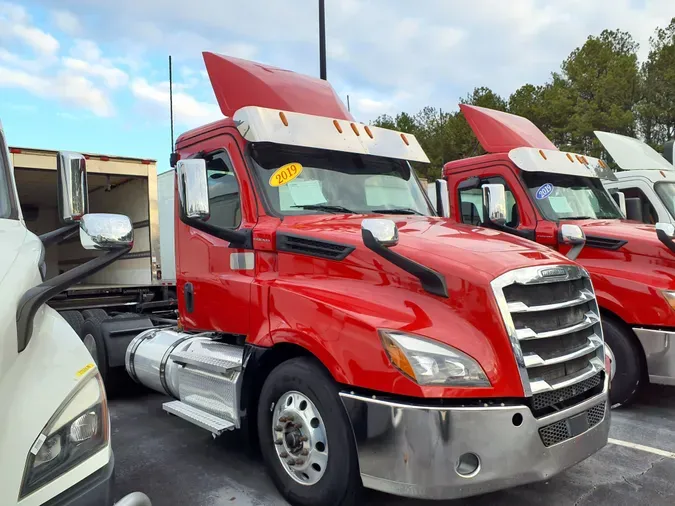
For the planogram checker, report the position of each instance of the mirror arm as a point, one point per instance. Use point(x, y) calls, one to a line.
point(35, 297)
point(663, 237)
point(238, 238)
point(528, 233)
point(59, 235)
point(432, 281)
point(573, 253)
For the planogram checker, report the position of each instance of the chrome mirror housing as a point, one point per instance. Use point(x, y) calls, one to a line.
point(572, 235)
point(666, 228)
point(72, 189)
point(106, 231)
point(494, 204)
point(620, 199)
point(193, 188)
point(384, 231)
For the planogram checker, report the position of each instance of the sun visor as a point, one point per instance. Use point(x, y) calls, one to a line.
point(240, 83)
point(632, 154)
point(500, 132)
point(559, 162)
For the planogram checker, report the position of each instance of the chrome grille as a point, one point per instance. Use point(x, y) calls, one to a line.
point(562, 430)
point(553, 322)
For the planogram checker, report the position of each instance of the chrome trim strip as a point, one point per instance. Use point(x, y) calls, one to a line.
point(595, 366)
point(534, 360)
point(527, 333)
point(520, 307)
point(659, 348)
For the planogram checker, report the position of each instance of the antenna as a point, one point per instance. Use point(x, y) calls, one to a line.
point(174, 157)
point(348, 108)
point(322, 39)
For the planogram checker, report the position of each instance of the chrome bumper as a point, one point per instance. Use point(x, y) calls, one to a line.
point(415, 451)
point(659, 347)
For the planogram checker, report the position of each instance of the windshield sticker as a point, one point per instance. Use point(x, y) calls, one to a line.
point(306, 193)
point(284, 174)
point(544, 191)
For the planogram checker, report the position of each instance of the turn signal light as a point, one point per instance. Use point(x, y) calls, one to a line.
point(397, 356)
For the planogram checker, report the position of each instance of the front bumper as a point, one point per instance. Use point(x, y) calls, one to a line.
point(414, 451)
point(97, 490)
point(659, 347)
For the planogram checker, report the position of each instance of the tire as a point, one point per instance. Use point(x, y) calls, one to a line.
point(114, 379)
point(630, 370)
point(340, 483)
point(74, 319)
point(95, 314)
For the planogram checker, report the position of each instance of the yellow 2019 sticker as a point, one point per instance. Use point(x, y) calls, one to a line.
point(285, 174)
point(84, 370)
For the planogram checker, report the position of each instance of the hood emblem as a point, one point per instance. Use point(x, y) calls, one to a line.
point(552, 273)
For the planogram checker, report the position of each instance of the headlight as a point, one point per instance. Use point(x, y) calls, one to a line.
point(670, 298)
point(432, 363)
point(77, 431)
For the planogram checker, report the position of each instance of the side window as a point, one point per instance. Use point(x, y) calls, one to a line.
point(471, 202)
point(648, 212)
point(223, 191)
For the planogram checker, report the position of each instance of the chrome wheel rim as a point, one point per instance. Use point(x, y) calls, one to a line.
point(299, 438)
point(612, 362)
point(90, 344)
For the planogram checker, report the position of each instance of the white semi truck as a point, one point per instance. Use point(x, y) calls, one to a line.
point(54, 424)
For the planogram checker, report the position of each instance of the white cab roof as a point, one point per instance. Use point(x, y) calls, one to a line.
point(632, 154)
point(260, 124)
point(654, 176)
point(560, 162)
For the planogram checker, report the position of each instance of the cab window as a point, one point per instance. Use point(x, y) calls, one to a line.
point(223, 191)
point(648, 212)
point(471, 202)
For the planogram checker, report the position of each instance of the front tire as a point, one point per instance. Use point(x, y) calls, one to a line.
point(312, 458)
point(629, 366)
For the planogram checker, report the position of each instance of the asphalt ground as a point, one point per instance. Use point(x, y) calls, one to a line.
point(177, 464)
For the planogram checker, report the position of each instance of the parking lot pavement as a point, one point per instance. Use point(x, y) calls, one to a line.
point(179, 464)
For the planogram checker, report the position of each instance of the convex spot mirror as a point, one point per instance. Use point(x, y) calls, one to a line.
point(193, 189)
point(384, 231)
point(494, 204)
point(72, 189)
point(106, 231)
point(572, 235)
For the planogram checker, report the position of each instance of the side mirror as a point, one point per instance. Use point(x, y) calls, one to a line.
point(494, 204)
point(72, 189)
point(442, 200)
point(620, 199)
point(666, 233)
point(193, 189)
point(383, 231)
point(106, 231)
point(634, 209)
point(669, 151)
point(572, 235)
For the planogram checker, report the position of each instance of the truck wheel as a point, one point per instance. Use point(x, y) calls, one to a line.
point(95, 314)
point(629, 370)
point(306, 438)
point(92, 337)
point(74, 319)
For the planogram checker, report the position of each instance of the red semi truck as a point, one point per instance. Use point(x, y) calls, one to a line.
point(361, 339)
point(542, 192)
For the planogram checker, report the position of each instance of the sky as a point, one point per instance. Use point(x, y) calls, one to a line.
point(92, 75)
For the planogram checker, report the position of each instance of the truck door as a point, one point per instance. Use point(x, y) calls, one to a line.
point(653, 209)
point(519, 212)
point(214, 279)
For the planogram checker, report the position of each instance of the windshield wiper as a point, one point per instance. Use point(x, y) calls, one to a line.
point(397, 210)
point(580, 218)
point(326, 207)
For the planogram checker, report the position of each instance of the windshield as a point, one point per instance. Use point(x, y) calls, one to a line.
point(567, 197)
point(666, 192)
point(298, 180)
point(6, 200)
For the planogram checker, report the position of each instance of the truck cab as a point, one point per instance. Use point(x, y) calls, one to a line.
point(553, 197)
point(361, 339)
point(646, 179)
point(55, 438)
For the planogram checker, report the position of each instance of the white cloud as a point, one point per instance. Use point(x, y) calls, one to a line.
point(67, 22)
point(112, 76)
point(14, 26)
point(188, 110)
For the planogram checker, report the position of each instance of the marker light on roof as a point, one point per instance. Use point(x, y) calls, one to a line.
point(570, 157)
point(370, 134)
point(356, 130)
point(337, 125)
point(283, 118)
point(602, 164)
point(542, 154)
point(405, 139)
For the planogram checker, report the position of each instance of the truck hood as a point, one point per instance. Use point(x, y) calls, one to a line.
point(632, 154)
point(12, 237)
point(641, 239)
point(435, 243)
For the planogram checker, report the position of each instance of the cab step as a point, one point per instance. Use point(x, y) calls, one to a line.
point(196, 416)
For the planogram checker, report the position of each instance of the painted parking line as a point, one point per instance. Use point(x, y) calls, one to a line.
point(655, 451)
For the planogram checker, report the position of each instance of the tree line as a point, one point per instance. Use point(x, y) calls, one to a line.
point(600, 86)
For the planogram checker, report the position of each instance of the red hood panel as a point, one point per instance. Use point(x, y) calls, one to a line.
point(641, 239)
point(437, 243)
point(240, 83)
point(500, 132)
